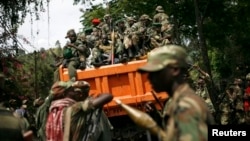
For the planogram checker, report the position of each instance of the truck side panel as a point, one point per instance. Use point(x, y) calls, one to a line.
point(122, 80)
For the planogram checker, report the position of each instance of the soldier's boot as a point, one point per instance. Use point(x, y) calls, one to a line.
point(82, 65)
point(123, 57)
point(64, 63)
point(137, 51)
point(98, 62)
point(130, 53)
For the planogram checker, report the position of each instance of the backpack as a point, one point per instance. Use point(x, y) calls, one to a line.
point(67, 53)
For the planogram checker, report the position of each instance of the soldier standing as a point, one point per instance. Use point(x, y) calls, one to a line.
point(166, 68)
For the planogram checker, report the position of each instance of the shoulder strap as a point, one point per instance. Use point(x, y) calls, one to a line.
point(66, 133)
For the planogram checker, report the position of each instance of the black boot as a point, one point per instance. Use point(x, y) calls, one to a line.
point(130, 53)
point(82, 65)
point(137, 51)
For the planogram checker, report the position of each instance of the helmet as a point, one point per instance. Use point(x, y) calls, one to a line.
point(159, 9)
point(145, 17)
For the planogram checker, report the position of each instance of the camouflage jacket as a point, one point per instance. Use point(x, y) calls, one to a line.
point(187, 116)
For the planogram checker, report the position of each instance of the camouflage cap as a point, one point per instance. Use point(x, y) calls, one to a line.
point(248, 76)
point(145, 17)
point(60, 87)
point(159, 9)
point(160, 57)
point(70, 33)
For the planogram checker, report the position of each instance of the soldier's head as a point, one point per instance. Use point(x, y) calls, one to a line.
point(81, 90)
point(159, 9)
point(71, 34)
point(120, 23)
point(107, 18)
point(145, 19)
point(166, 66)
point(131, 20)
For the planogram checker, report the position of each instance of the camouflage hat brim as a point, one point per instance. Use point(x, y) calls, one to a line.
point(150, 67)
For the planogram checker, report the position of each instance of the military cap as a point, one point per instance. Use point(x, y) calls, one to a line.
point(70, 33)
point(60, 87)
point(145, 17)
point(156, 24)
point(159, 9)
point(160, 57)
point(248, 76)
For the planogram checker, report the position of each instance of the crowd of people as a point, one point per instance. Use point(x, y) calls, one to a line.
point(110, 42)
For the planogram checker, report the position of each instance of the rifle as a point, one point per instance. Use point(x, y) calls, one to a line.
point(112, 45)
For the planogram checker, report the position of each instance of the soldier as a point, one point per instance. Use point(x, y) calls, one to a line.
point(201, 87)
point(240, 119)
point(127, 37)
point(139, 33)
point(163, 18)
point(107, 26)
point(119, 38)
point(71, 53)
point(156, 36)
point(187, 116)
point(72, 111)
point(227, 106)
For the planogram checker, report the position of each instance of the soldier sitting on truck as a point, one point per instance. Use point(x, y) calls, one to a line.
point(71, 53)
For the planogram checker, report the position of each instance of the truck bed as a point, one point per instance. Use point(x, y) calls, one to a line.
point(121, 80)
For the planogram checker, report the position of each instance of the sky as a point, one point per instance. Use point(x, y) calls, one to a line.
point(63, 15)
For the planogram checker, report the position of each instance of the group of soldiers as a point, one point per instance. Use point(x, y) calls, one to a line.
point(120, 41)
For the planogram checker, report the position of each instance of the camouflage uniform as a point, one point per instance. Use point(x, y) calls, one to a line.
point(240, 115)
point(71, 53)
point(139, 33)
point(186, 115)
point(227, 106)
point(202, 91)
point(106, 27)
point(157, 39)
point(162, 18)
point(119, 38)
point(128, 37)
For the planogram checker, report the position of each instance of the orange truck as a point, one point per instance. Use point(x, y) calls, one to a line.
point(124, 82)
